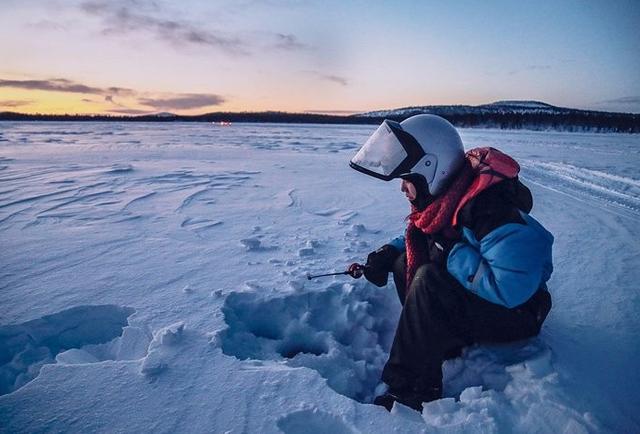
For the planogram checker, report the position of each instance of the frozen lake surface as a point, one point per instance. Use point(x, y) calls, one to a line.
point(153, 279)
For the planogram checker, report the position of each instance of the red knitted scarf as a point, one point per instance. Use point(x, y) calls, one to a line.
point(436, 217)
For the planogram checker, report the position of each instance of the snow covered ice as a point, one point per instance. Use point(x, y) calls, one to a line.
point(153, 279)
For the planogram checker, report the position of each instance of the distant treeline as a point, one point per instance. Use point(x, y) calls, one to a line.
point(264, 117)
point(574, 121)
point(568, 120)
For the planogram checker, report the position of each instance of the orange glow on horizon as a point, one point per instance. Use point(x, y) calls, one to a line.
point(50, 102)
point(56, 103)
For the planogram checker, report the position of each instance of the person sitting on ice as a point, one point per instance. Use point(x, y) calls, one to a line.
point(473, 263)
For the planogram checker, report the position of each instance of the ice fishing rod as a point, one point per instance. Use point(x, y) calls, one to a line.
point(355, 270)
point(309, 276)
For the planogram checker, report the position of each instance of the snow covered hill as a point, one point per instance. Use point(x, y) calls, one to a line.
point(532, 115)
point(153, 279)
point(507, 106)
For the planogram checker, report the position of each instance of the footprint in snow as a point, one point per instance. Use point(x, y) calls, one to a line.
point(314, 420)
point(254, 244)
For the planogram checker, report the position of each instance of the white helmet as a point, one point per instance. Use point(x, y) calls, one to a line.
point(425, 145)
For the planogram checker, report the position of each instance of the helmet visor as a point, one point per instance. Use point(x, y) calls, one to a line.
point(389, 152)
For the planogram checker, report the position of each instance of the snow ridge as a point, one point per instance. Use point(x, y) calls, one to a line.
point(24, 348)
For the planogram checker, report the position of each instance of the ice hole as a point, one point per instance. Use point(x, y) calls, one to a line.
point(289, 351)
point(343, 331)
point(289, 348)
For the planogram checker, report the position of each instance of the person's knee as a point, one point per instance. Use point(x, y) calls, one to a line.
point(426, 277)
point(421, 286)
point(431, 284)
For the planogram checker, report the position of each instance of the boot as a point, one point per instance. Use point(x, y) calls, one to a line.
point(411, 399)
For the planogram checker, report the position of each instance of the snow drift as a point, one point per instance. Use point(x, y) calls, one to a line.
point(153, 279)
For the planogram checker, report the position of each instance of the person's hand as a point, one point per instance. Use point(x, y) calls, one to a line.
point(355, 270)
point(380, 264)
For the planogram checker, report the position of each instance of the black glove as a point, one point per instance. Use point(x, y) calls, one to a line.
point(380, 264)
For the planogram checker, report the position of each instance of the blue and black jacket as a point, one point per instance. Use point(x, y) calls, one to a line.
point(503, 254)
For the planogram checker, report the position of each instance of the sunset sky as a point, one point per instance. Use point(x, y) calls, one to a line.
point(197, 56)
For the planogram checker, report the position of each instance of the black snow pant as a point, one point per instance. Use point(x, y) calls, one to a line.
point(439, 317)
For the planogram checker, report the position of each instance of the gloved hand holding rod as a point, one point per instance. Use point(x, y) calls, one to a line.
point(355, 270)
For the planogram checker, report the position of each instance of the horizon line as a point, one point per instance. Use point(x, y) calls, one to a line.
point(328, 113)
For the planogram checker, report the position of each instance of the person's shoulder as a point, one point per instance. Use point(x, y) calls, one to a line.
point(495, 206)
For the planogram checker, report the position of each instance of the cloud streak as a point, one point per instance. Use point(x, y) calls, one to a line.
point(289, 42)
point(64, 85)
point(158, 101)
point(12, 103)
point(126, 111)
point(184, 101)
point(54, 85)
point(119, 17)
point(122, 17)
point(342, 81)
